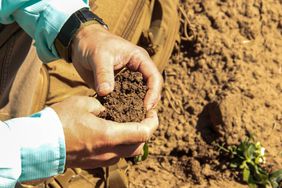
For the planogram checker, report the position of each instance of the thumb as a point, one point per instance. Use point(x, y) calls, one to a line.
point(104, 73)
point(89, 104)
point(94, 106)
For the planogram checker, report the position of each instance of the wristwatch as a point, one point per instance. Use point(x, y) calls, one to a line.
point(70, 28)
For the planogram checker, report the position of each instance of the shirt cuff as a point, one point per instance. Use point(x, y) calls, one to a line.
point(42, 144)
point(49, 21)
point(10, 158)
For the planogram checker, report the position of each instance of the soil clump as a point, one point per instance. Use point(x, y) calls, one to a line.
point(126, 102)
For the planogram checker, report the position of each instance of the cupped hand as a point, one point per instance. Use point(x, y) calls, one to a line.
point(94, 142)
point(96, 54)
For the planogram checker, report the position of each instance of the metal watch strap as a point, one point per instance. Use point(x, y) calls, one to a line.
point(69, 29)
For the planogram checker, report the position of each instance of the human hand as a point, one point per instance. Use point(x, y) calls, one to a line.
point(94, 142)
point(96, 54)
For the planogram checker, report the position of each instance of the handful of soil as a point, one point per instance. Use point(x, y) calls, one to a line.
point(126, 102)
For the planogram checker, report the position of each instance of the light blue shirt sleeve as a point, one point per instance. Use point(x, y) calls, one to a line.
point(31, 148)
point(41, 19)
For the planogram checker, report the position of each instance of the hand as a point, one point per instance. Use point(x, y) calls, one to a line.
point(94, 142)
point(96, 54)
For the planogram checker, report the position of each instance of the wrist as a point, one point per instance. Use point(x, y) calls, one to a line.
point(79, 19)
point(83, 35)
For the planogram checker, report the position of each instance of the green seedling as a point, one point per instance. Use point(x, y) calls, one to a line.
point(249, 157)
point(144, 156)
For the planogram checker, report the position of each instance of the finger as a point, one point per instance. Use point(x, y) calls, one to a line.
point(109, 152)
point(103, 73)
point(90, 104)
point(122, 151)
point(132, 133)
point(95, 107)
point(129, 150)
point(141, 62)
point(88, 163)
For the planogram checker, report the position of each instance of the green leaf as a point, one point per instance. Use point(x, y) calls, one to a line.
point(244, 165)
point(247, 156)
point(276, 177)
point(252, 185)
point(259, 175)
point(249, 152)
point(233, 165)
point(143, 157)
point(137, 159)
point(236, 162)
point(246, 175)
point(274, 184)
point(146, 152)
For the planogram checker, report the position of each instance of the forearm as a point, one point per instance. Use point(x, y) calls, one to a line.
point(42, 20)
point(33, 149)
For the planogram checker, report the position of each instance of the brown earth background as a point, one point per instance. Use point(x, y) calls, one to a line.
point(222, 83)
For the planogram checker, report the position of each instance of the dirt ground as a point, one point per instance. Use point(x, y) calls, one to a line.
point(223, 83)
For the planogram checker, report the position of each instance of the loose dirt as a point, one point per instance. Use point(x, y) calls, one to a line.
point(125, 103)
point(222, 84)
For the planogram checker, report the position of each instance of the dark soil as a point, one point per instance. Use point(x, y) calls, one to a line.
point(125, 103)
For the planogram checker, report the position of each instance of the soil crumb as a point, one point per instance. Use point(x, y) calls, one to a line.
point(126, 102)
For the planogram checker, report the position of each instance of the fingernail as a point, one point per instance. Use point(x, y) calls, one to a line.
point(104, 87)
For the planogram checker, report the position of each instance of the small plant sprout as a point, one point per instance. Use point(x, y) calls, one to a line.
point(248, 157)
point(144, 156)
point(260, 151)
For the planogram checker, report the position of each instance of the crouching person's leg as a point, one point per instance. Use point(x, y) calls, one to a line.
point(19, 74)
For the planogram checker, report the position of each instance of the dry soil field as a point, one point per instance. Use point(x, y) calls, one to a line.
point(222, 83)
